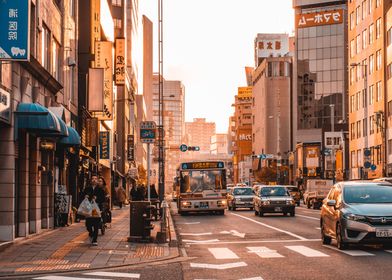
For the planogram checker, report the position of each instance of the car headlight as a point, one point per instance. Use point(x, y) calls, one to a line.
point(266, 202)
point(186, 203)
point(290, 202)
point(354, 217)
point(221, 203)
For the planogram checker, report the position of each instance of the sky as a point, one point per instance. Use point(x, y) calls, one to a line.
point(208, 43)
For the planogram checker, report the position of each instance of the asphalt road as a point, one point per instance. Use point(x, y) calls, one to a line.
point(240, 245)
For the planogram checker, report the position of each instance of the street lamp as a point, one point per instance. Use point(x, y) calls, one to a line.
point(364, 174)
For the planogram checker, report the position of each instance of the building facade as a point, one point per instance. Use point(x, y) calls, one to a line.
point(219, 144)
point(319, 76)
point(199, 133)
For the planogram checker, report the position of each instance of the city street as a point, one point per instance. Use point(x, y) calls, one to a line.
point(243, 246)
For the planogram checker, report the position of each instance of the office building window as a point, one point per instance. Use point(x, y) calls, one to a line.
point(352, 48)
point(371, 33)
point(378, 28)
point(364, 98)
point(358, 100)
point(364, 39)
point(378, 60)
point(364, 7)
point(370, 6)
point(56, 61)
point(352, 103)
point(389, 36)
point(389, 71)
point(378, 3)
point(45, 47)
point(353, 161)
point(72, 8)
point(352, 21)
point(358, 12)
point(389, 147)
point(352, 131)
point(364, 122)
point(378, 91)
point(358, 44)
point(371, 64)
point(116, 3)
point(371, 95)
point(358, 129)
point(371, 125)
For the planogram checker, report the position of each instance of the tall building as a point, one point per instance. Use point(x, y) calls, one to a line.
point(242, 141)
point(173, 123)
point(320, 79)
point(388, 91)
point(199, 133)
point(367, 47)
point(38, 114)
point(219, 144)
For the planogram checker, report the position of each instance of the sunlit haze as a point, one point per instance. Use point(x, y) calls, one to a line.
point(207, 44)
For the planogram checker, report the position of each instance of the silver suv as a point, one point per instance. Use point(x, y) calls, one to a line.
point(357, 212)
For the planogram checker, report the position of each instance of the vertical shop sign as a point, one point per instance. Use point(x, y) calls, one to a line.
point(104, 145)
point(104, 59)
point(14, 32)
point(131, 147)
point(120, 61)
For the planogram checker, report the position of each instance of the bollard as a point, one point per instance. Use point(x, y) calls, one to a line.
point(161, 236)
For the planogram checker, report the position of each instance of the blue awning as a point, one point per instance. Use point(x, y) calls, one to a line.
point(73, 139)
point(37, 119)
point(64, 130)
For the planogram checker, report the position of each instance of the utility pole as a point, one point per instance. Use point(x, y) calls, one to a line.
point(161, 154)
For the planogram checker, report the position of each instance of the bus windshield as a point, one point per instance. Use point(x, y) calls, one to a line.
point(193, 181)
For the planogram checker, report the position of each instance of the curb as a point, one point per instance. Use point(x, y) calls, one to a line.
point(172, 231)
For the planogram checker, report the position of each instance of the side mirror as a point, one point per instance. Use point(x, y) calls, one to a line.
point(331, 203)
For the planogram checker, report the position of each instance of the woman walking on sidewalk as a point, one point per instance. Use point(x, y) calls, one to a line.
point(94, 192)
point(120, 196)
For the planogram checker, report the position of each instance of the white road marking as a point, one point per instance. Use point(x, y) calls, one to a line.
point(218, 266)
point(264, 252)
point(201, 241)
point(251, 242)
point(318, 228)
point(307, 252)
point(189, 223)
point(234, 233)
point(114, 274)
point(253, 278)
point(196, 234)
point(353, 253)
point(223, 253)
point(183, 252)
point(271, 227)
point(388, 251)
point(56, 277)
point(307, 217)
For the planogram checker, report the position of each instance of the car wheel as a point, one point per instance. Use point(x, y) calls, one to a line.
point(251, 208)
point(261, 213)
point(324, 238)
point(292, 213)
point(340, 243)
point(308, 204)
point(284, 214)
point(222, 212)
point(256, 213)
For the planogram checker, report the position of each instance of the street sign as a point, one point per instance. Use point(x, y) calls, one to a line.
point(269, 156)
point(262, 156)
point(148, 132)
point(183, 148)
point(14, 32)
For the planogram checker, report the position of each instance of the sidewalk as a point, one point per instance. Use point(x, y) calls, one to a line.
point(69, 249)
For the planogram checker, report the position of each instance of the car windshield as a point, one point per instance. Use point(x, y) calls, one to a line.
point(242, 191)
point(273, 191)
point(200, 180)
point(368, 194)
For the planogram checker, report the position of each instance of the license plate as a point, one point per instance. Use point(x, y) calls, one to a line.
point(278, 209)
point(203, 205)
point(384, 233)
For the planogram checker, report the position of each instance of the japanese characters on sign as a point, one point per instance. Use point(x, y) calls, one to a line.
point(104, 145)
point(104, 59)
point(244, 92)
point(147, 132)
point(5, 106)
point(131, 147)
point(274, 45)
point(319, 18)
point(14, 32)
point(120, 62)
point(95, 22)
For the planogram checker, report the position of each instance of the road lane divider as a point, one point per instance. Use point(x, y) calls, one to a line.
point(271, 227)
point(307, 217)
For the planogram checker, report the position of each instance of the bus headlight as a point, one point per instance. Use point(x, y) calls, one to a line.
point(187, 203)
point(221, 203)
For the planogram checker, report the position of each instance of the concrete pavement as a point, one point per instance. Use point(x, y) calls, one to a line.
point(69, 249)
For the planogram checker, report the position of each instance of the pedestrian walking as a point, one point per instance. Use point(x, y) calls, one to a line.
point(94, 193)
point(120, 196)
point(141, 192)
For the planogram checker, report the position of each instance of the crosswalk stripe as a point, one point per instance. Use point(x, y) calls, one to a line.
point(200, 241)
point(264, 252)
point(223, 253)
point(218, 266)
point(57, 277)
point(306, 251)
point(253, 278)
point(196, 234)
point(353, 253)
point(114, 274)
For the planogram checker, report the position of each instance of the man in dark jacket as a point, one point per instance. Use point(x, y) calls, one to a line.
point(94, 192)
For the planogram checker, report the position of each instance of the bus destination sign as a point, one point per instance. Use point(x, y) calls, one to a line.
point(203, 165)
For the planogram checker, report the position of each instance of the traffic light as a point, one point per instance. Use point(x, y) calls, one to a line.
point(194, 148)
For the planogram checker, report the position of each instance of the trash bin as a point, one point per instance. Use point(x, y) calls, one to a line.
point(140, 221)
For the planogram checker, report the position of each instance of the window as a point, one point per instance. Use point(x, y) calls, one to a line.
point(364, 98)
point(359, 72)
point(358, 129)
point(364, 13)
point(358, 100)
point(72, 8)
point(389, 147)
point(352, 21)
point(364, 130)
point(371, 64)
point(371, 95)
point(378, 28)
point(352, 131)
point(116, 3)
point(358, 44)
point(378, 3)
point(364, 39)
point(371, 125)
point(389, 36)
point(352, 48)
point(370, 6)
point(378, 91)
point(378, 60)
point(117, 23)
point(389, 71)
point(358, 12)
point(56, 61)
point(352, 103)
point(371, 33)
point(353, 162)
point(45, 47)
